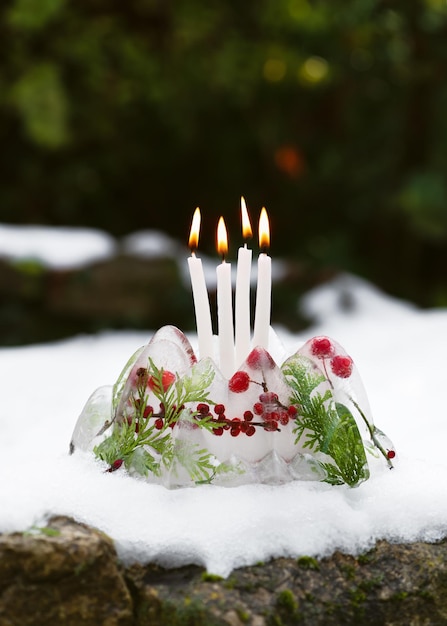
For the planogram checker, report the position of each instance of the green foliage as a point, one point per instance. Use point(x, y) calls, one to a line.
point(33, 14)
point(140, 445)
point(126, 115)
point(308, 562)
point(325, 426)
point(40, 97)
point(42, 530)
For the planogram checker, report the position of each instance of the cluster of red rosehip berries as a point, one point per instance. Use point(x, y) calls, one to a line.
point(160, 416)
point(269, 409)
point(341, 365)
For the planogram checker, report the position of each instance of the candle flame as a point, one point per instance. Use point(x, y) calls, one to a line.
point(222, 238)
point(247, 232)
point(195, 229)
point(264, 230)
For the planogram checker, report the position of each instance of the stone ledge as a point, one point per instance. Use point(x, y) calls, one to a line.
point(68, 574)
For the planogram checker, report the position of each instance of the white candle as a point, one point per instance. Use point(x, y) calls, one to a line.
point(200, 294)
point(264, 287)
point(224, 305)
point(242, 300)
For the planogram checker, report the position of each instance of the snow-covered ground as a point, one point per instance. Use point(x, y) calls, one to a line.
point(399, 351)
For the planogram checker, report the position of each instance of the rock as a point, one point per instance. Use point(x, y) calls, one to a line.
point(63, 574)
point(68, 574)
point(391, 584)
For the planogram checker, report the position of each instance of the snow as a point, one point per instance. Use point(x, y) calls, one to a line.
point(71, 248)
point(399, 350)
point(55, 247)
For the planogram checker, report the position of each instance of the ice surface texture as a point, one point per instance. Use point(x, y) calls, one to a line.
point(178, 422)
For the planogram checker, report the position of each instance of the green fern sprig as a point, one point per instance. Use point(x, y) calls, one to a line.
point(328, 427)
point(143, 447)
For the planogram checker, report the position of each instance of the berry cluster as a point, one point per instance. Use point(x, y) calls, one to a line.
point(268, 408)
point(148, 412)
point(341, 365)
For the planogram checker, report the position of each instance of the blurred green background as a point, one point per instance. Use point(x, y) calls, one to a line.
point(331, 113)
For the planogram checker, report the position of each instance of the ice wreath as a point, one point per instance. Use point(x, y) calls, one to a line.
point(177, 421)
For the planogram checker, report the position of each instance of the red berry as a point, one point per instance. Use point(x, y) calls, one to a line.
point(227, 425)
point(235, 430)
point(270, 425)
point(322, 347)
point(268, 397)
point(292, 411)
point(117, 464)
point(167, 378)
point(391, 454)
point(342, 366)
point(244, 426)
point(283, 418)
point(148, 411)
point(203, 408)
point(158, 423)
point(260, 359)
point(250, 431)
point(239, 382)
point(248, 416)
point(219, 409)
point(218, 431)
point(258, 408)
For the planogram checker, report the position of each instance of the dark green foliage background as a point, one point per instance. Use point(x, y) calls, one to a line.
point(333, 113)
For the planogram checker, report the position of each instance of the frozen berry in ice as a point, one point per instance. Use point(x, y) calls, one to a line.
point(342, 366)
point(148, 411)
point(239, 382)
point(322, 347)
point(268, 397)
point(292, 411)
point(116, 465)
point(167, 378)
point(391, 454)
point(235, 427)
point(250, 430)
point(258, 408)
point(259, 359)
point(284, 418)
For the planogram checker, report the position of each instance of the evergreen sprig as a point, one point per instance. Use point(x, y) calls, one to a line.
point(328, 427)
point(145, 448)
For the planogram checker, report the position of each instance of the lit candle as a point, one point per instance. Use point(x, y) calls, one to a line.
point(224, 305)
point(264, 286)
point(242, 303)
point(200, 293)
